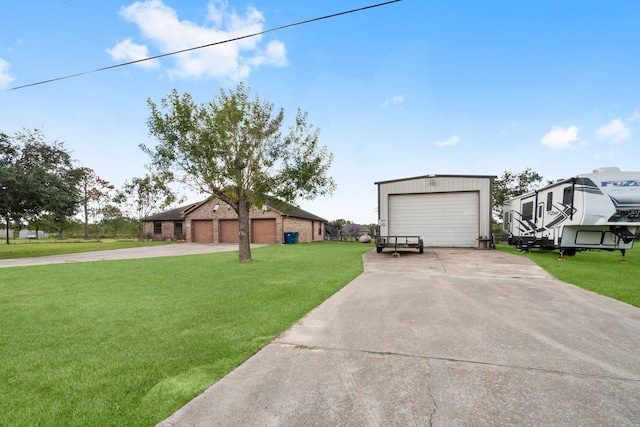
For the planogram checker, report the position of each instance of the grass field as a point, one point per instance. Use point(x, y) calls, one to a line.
point(597, 271)
point(128, 342)
point(34, 248)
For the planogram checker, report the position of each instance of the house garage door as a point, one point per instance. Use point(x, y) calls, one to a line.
point(263, 231)
point(202, 231)
point(229, 231)
point(441, 219)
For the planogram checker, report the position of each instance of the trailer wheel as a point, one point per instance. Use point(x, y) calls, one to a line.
point(569, 251)
point(379, 249)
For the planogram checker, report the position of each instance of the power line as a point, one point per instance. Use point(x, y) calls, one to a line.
point(206, 45)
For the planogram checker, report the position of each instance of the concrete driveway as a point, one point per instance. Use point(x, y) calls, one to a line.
point(172, 249)
point(448, 338)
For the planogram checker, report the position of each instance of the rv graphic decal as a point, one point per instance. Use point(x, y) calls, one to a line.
point(527, 226)
point(627, 183)
point(565, 213)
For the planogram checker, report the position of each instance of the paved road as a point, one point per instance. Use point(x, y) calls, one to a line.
point(175, 249)
point(448, 338)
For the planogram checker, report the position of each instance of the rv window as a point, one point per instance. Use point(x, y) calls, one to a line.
point(549, 201)
point(567, 197)
point(540, 211)
point(527, 210)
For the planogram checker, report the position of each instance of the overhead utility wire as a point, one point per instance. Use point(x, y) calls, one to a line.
point(206, 45)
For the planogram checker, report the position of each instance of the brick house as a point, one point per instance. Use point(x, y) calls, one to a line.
point(213, 221)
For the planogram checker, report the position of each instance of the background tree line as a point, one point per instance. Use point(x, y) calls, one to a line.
point(42, 188)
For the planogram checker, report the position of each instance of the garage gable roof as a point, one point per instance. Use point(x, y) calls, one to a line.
point(435, 176)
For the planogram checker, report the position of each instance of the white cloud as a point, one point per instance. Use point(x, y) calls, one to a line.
point(127, 51)
point(5, 77)
point(634, 117)
point(616, 131)
point(398, 99)
point(451, 141)
point(560, 138)
point(160, 25)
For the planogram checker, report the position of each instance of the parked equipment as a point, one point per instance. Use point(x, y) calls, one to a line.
point(599, 210)
point(399, 242)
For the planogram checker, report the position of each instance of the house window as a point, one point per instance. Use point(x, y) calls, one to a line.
point(549, 201)
point(320, 229)
point(177, 229)
point(527, 211)
point(157, 227)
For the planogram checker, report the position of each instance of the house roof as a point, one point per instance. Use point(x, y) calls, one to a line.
point(292, 211)
point(354, 228)
point(175, 214)
point(285, 209)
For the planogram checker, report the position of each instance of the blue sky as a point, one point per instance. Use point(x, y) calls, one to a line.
point(407, 89)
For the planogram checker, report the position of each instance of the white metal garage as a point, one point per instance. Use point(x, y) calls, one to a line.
point(444, 210)
point(440, 219)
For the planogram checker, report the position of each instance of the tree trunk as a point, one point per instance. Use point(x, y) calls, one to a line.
point(244, 250)
point(86, 221)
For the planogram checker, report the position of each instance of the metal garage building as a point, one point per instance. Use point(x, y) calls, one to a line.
point(444, 210)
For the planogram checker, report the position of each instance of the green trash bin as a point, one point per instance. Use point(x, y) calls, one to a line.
point(295, 237)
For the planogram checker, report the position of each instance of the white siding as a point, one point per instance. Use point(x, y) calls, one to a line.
point(440, 219)
point(441, 185)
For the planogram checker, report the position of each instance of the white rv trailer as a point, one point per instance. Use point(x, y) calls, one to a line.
point(599, 210)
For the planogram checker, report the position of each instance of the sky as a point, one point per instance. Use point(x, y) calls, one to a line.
point(406, 89)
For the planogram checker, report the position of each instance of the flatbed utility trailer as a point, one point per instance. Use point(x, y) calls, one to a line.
point(399, 242)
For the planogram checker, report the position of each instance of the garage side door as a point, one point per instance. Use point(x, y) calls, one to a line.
point(263, 231)
point(202, 231)
point(229, 230)
point(441, 219)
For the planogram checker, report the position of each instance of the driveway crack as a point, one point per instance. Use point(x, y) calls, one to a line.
point(455, 360)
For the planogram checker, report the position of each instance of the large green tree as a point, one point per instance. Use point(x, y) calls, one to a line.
point(232, 147)
point(38, 178)
point(9, 194)
point(512, 184)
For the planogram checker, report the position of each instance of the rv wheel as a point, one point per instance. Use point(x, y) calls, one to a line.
point(569, 251)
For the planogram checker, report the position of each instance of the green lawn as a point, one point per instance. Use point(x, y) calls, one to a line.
point(129, 342)
point(597, 271)
point(34, 248)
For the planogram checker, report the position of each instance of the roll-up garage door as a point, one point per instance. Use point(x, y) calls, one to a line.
point(202, 231)
point(440, 219)
point(263, 231)
point(228, 230)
